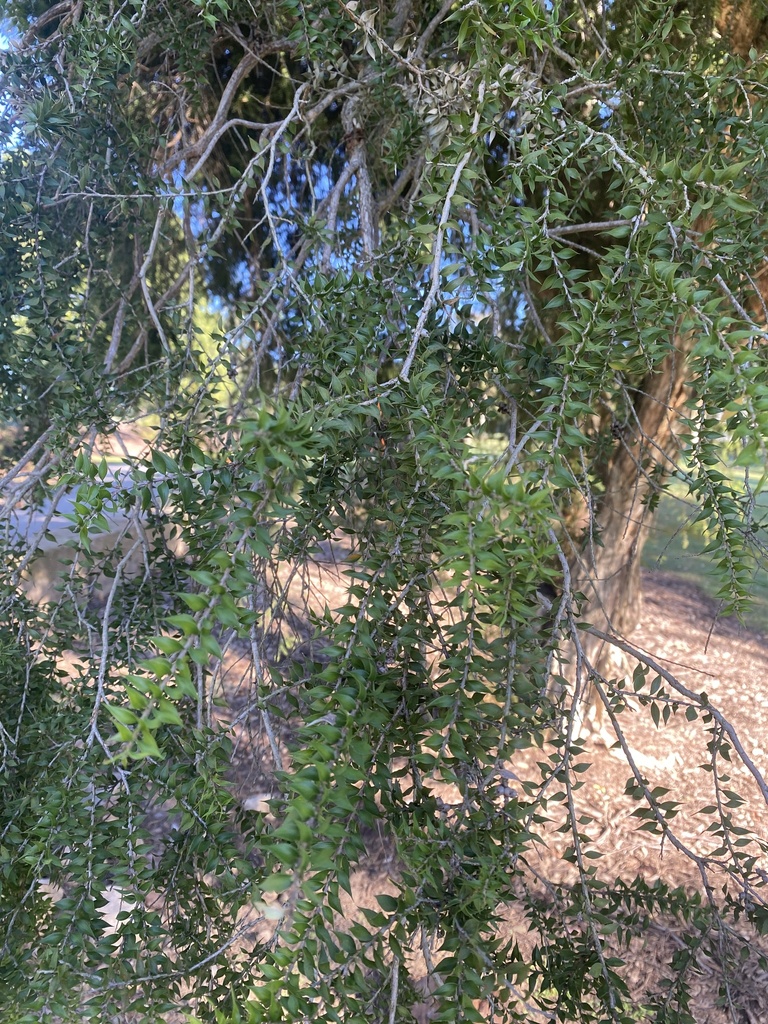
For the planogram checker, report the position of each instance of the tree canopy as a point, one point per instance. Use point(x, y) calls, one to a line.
point(450, 293)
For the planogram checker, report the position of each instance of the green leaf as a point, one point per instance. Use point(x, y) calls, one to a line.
point(277, 883)
point(122, 714)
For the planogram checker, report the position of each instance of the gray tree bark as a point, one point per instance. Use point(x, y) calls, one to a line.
point(605, 561)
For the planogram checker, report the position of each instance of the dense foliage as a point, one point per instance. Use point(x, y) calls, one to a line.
point(445, 292)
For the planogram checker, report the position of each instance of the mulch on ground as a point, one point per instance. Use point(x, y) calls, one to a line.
point(681, 628)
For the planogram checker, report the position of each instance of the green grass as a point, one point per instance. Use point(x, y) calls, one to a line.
point(676, 544)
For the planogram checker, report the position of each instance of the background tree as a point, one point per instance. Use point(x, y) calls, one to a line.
point(319, 249)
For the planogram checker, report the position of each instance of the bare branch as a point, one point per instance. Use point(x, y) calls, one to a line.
point(592, 225)
point(431, 28)
point(366, 206)
point(691, 695)
point(409, 173)
point(235, 122)
point(143, 277)
point(393, 990)
point(333, 199)
point(246, 65)
point(437, 248)
point(105, 630)
point(61, 8)
point(26, 458)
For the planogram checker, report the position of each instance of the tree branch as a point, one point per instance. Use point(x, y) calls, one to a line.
point(592, 225)
point(723, 722)
point(437, 248)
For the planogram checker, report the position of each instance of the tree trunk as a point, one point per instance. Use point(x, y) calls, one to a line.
point(605, 564)
point(605, 560)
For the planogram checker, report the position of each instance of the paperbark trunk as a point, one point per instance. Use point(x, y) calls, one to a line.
point(605, 564)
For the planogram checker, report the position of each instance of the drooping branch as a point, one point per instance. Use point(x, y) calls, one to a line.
point(691, 695)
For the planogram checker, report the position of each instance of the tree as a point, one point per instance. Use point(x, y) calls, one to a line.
point(320, 249)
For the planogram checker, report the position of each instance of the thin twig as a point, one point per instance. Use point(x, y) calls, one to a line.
point(393, 990)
